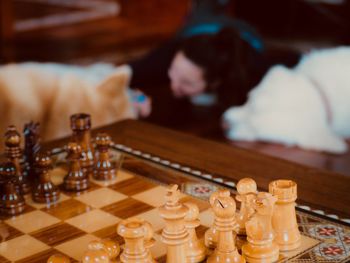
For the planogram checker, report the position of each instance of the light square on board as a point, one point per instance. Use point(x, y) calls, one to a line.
point(77, 247)
point(21, 247)
point(93, 220)
point(32, 221)
point(101, 197)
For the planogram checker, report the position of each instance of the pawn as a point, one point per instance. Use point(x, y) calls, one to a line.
point(195, 250)
point(224, 208)
point(12, 202)
point(96, 253)
point(76, 179)
point(58, 258)
point(261, 246)
point(8, 171)
point(112, 248)
point(104, 168)
point(45, 191)
point(13, 154)
point(247, 190)
point(148, 239)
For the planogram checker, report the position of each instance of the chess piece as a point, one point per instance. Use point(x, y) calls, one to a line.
point(104, 167)
point(133, 231)
point(13, 154)
point(195, 249)
point(96, 253)
point(8, 171)
point(81, 125)
point(211, 236)
point(31, 148)
point(76, 179)
point(247, 190)
point(12, 202)
point(224, 208)
point(112, 248)
point(45, 191)
point(58, 258)
point(174, 235)
point(148, 239)
point(284, 220)
point(261, 246)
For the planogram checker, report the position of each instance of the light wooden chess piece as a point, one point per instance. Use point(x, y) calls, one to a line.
point(195, 249)
point(133, 231)
point(58, 258)
point(81, 126)
point(247, 190)
point(45, 191)
point(261, 246)
point(148, 239)
point(224, 208)
point(175, 234)
point(211, 235)
point(284, 220)
point(104, 167)
point(76, 179)
point(14, 154)
point(96, 253)
point(112, 248)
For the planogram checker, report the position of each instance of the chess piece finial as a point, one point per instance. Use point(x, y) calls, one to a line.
point(104, 167)
point(112, 248)
point(261, 246)
point(45, 191)
point(175, 234)
point(31, 148)
point(211, 235)
point(96, 253)
point(284, 220)
point(13, 154)
point(224, 208)
point(76, 179)
point(12, 202)
point(133, 231)
point(247, 190)
point(195, 249)
point(81, 126)
point(58, 258)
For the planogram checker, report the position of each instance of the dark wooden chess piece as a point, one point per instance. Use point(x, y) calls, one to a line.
point(76, 179)
point(31, 148)
point(8, 171)
point(12, 201)
point(45, 191)
point(104, 167)
point(81, 126)
point(13, 154)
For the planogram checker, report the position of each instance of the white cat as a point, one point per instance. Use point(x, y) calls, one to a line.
point(307, 106)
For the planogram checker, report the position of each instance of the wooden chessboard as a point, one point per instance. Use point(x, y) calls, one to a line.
point(68, 226)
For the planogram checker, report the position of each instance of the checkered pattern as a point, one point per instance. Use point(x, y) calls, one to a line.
point(69, 225)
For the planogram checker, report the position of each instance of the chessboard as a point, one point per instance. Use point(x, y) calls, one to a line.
point(71, 220)
point(68, 225)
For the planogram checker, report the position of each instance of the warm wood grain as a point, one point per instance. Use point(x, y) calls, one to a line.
point(321, 188)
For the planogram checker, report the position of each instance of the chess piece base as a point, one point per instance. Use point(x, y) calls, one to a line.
point(288, 246)
point(196, 253)
point(76, 185)
point(260, 253)
point(104, 175)
point(12, 209)
point(232, 257)
point(46, 197)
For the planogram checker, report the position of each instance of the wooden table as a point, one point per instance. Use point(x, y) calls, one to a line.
point(317, 188)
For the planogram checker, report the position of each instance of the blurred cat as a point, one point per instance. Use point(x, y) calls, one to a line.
point(307, 106)
point(49, 93)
